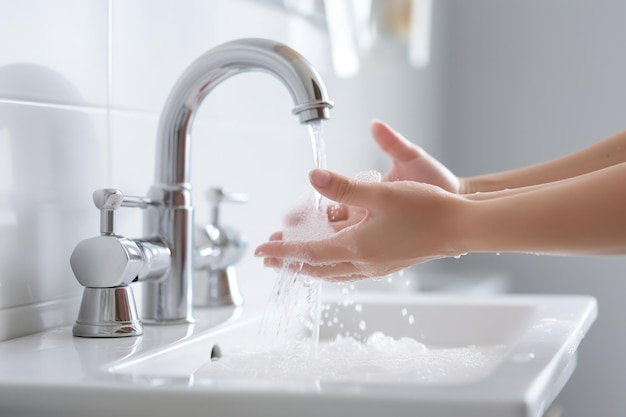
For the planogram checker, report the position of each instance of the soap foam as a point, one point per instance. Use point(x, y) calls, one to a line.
point(379, 359)
point(369, 176)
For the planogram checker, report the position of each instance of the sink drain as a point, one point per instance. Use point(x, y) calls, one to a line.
point(216, 353)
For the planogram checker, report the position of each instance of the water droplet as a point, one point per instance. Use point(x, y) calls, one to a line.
point(362, 325)
point(404, 312)
point(411, 319)
point(358, 308)
point(523, 357)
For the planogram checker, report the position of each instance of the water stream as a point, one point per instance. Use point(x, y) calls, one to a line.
point(293, 313)
point(319, 151)
point(315, 287)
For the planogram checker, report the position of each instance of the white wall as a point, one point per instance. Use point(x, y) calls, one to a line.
point(527, 81)
point(82, 83)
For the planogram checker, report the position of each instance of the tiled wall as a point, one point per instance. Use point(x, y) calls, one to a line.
point(54, 140)
point(82, 83)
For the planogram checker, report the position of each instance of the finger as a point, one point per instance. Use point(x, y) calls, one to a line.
point(355, 215)
point(337, 212)
point(276, 236)
point(343, 190)
point(317, 252)
point(393, 143)
point(339, 272)
point(272, 262)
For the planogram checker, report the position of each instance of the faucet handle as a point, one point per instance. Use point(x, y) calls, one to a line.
point(107, 200)
point(217, 195)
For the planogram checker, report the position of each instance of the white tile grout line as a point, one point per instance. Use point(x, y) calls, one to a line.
point(109, 89)
point(78, 107)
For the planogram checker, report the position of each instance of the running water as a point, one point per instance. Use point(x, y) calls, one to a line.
point(319, 155)
point(319, 152)
point(293, 313)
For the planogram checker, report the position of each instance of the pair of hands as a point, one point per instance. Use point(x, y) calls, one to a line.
point(380, 227)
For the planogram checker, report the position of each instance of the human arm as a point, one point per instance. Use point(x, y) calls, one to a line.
point(411, 162)
point(409, 222)
point(608, 152)
point(581, 215)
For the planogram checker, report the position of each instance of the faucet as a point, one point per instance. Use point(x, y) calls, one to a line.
point(217, 249)
point(163, 260)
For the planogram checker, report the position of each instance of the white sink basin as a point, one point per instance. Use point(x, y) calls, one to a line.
point(532, 343)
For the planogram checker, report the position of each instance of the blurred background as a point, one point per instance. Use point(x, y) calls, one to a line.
point(483, 85)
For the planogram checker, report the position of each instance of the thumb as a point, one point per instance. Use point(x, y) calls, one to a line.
point(341, 189)
point(393, 143)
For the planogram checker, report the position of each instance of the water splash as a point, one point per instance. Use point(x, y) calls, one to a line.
point(293, 313)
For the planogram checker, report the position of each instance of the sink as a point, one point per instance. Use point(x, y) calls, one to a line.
point(528, 347)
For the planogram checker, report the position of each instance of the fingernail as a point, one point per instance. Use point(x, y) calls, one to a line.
point(320, 177)
point(267, 262)
point(258, 252)
point(336, 213)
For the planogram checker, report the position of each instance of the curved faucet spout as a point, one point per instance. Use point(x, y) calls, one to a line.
point(168, 300)
point(305, 85)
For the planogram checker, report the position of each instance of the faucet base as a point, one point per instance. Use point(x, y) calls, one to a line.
point(108, 312)
point(153, 322)
point(216, 288)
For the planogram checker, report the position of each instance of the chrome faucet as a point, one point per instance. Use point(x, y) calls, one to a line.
point(164, 259)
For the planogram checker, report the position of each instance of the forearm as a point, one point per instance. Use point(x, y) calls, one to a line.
point(606, 153)
point(581, 215)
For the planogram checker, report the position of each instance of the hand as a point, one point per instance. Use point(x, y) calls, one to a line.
point(404, 223)
point(337, 215)
point(410, 162)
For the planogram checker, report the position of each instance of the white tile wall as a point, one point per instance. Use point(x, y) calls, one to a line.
point(53, 135)
point(82, 83)
point(154, 41)
point(54, 157)
point(68, 37)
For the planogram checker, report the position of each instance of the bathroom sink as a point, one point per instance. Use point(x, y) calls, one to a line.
point(519, 351)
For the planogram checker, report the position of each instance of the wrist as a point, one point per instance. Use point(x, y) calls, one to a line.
point(462, 230)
